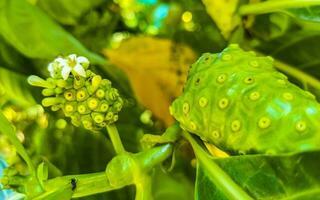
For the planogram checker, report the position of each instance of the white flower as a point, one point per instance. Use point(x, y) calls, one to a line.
point(55, 69)
point(73, 64)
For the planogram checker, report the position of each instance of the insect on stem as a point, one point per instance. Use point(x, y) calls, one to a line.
point(73, 183)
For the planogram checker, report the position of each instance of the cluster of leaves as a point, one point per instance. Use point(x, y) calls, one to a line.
point(145, 47)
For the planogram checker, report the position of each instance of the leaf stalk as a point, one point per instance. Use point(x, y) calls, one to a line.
point(115, 139)
point(273, 6)
point(220, 178)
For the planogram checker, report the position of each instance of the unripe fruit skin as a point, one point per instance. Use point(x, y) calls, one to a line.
point(240, 103)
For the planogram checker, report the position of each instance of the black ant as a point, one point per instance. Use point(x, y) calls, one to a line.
point(73, 183)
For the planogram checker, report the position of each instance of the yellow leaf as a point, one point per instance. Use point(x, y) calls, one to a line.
point(157, 69)
point(223, 13)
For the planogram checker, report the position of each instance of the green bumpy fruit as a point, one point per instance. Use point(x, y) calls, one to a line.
point(89, 101)
point(240, 103)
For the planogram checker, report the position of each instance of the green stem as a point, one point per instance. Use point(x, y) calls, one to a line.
point(115, 139)
point(144, 189)
point(220, 178)
point(171, 135)
point(86, 184)
point(148, 159)
point(94, 183)
point(273, 6)
point(303, 195)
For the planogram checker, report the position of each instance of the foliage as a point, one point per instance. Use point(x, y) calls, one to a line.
point(145, 48)
point(164, 83)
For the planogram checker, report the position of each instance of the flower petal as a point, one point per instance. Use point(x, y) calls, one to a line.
point(82, 59)
point(50, 68)
point(65, 72)
point(61, 61)
point(72, 56)
point(79, 70)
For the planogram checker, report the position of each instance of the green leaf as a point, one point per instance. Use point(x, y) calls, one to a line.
point(42, 172)
point(276, 6)
point(271, 18)
point(10, 58)
point(64, 192)
point(266, 177)
point(15, 88)
point(8, 130)
point(208, 38)
point(298, 49)
point(270, 26)
point(218, 176)
point(171, 186)
point(308, 13)
point(67, 11)
point(35, 35)
point(95, 28)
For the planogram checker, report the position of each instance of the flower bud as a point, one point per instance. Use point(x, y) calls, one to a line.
point(52, 82)
point(87, 121)
point(100, 93)
point(78, 83)
point(89, 73)
point(95, 82)
point(50, 101)
point(48, 92)
point(82, 95)
point(109, 116)
point(83, 108)
point(61, 83)
point(102, 124)
point(69, 108)
point(58, 90)
point(56, 107)
point(92, 103)
point(39, 82)
point(103, 107)
point(115, 118)
point(97, 117)
point(117, 106)
point(105, 83)
point(70, 95)
point(76, 119)
point(69, 83)
point(112, 94)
